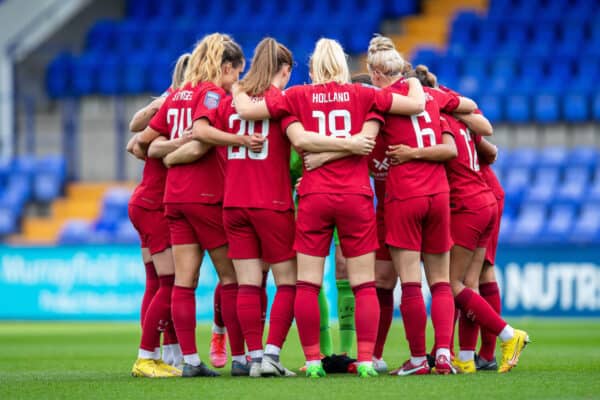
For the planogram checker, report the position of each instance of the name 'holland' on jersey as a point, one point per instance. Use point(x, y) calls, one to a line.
point(331, 97)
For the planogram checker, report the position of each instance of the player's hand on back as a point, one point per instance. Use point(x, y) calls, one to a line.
point(361, 144)
point(400, 153)
point(312, 161)
point(255, 142)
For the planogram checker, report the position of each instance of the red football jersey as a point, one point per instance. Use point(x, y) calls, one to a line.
point(467, 186)
point(150, 191)
point(337, 110)
point(447, 101)
point(255, 180)
point(415, 178)
point(379, 165)
point(488, 173)
point(200, 181)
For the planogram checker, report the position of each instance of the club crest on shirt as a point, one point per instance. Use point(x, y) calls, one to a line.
point(211, 100)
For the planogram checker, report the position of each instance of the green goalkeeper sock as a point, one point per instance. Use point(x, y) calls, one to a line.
point(325, 338)
point(346, 315)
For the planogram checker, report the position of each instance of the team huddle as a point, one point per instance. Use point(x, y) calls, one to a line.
point(217, 179)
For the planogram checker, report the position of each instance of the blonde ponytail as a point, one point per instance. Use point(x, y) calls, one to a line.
point(210, 53)
point(328, 63)
point(179, 71)
point(383, 57)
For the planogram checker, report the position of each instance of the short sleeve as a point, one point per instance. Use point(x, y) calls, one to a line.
point(287, 121)
point(159, 121)
point(209, 101)
point(445, 125)
point(372, 115)
point(447, 101)
point(381, 100)
point(279, 103)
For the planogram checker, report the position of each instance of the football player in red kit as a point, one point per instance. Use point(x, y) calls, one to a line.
point(146, 212)
point(417, 202)
point(337, 194)
point(194, 192)
point(474, 213)
point(488, 287)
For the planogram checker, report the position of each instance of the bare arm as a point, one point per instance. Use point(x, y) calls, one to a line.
point(135, 149)
point(142, 117)
point(146, 137)
point(465, 105)
point(313, 142)
point(247, 108)
point(477, 123)
point(412, 103)
point(487, 151)
point(131, 143)
point(401, 153)
point(315, 160)
point(203, 131)
point(161, 146)
point(187, 153)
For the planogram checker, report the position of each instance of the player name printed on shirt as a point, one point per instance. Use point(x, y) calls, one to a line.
point(183, 95)
point(330, 97)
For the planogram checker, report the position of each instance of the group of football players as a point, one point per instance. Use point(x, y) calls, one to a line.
point(217, 178)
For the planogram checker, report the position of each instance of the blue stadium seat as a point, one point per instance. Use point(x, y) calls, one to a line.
point(58, 75)
point(522, 157)
point(583, 156)
point(126, 233)
point(587, 225)
point(553, 157)
point(596, 107)
point(575, 107)
point(560, 224)
point(8, 220)
point(109, 75)
point(543, 189)
point(49, 178)
point(528, 224)
point(85, 71)
point(546, 108)
point(114, 209)
point(492, 107)
point(573, 188)
point(75, 232)
point(517, 108)
point(515, 182)
point(102, 36)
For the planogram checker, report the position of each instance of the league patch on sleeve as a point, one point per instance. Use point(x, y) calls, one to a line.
point(211, 100)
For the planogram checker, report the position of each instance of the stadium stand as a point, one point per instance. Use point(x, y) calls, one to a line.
point(539, 72)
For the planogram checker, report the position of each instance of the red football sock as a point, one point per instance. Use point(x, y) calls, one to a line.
point(217, 316)
point(229, 300)
point(476, 309)
point(414, 317)
point(386, 308)
point(152, 285)
point(264, 301)
point(169, 335)
point(282, 314)
point(490, 293)
point(249, 315)
point(183, 311)
point(442, 313)
point(467, 333)
point(308, 319)
point(158, 315)
point(366, 317)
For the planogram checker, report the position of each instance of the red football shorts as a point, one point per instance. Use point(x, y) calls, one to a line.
point(473, 229)
point(152, 226)
point(419, 223)
point(196, 223)
point(352, 214)
point(382, 253)
point(260, 233)
point(490, 251)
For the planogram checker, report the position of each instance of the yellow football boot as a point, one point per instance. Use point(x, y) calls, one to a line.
point(511, 350)
point(464, 367)
point(148, 368)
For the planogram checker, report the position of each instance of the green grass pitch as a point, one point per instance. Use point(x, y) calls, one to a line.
point(92, 361)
